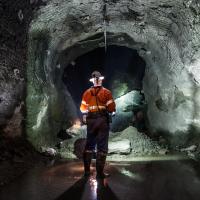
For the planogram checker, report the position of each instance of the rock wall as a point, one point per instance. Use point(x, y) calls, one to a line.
point(17, 155)
point(165, 34)
point(15, 18)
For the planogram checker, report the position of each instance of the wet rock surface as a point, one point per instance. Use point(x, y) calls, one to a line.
point(141, 180)
point(17, 156)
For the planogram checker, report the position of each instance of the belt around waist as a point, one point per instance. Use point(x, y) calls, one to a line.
point(98, 113)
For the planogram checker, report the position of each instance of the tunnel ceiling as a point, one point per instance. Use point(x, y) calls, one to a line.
point(165, 34)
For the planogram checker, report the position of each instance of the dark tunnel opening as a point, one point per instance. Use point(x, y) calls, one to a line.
point(119, 65)
point(123, 70)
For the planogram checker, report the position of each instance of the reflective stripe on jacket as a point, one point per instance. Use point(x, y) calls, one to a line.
point(97, 99)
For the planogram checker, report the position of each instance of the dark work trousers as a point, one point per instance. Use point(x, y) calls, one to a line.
point(97, 132)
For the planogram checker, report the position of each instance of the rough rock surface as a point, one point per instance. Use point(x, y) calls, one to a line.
point(120, 146)
point(14, 24)
point(140, 144)
point(125, 106)
point(127, 142)
point(16, 154)
point(165, 34)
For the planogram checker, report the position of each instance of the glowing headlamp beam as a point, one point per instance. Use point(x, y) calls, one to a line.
point(93, 79)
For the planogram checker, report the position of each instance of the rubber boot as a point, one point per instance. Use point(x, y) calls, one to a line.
point(100, 163)
point(87, 157)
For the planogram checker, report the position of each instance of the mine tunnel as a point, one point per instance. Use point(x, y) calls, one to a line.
point(123, 69)
point(147, 54)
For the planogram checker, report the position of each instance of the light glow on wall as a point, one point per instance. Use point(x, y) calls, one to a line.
point(41, 114)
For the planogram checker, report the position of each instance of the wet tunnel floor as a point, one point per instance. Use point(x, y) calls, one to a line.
point(144, 180)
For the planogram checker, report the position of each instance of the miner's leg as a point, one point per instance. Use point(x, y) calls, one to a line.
point(100, 163)
point(87, 158)
point(102, 148)
point(89, 148)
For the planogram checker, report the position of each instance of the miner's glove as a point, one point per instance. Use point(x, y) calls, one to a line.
point(113, 114)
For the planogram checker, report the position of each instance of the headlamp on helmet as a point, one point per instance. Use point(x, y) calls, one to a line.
point(96, 75)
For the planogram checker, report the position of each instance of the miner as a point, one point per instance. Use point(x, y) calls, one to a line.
point(97, 107)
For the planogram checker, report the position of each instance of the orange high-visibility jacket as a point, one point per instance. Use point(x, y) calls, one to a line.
point(97, 99)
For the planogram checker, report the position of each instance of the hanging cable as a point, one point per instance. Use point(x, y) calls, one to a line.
point(105, 36)
point(105, 23)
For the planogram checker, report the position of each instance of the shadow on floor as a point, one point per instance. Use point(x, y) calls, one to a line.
point(83, 186)
point(104, 192)
point(75, 191)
